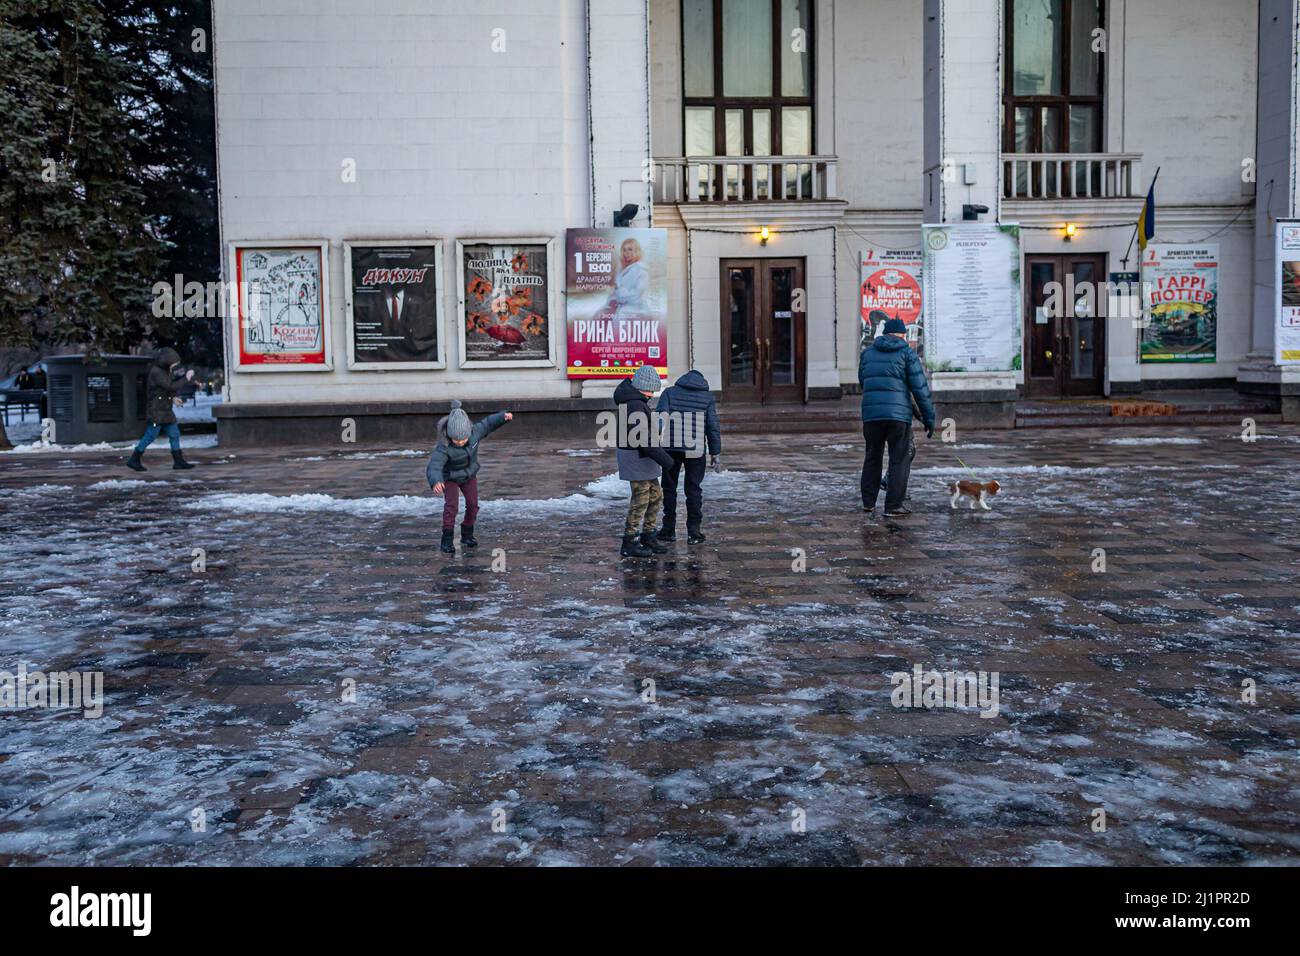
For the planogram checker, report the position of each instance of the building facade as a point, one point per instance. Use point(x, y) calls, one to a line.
point(778, 143)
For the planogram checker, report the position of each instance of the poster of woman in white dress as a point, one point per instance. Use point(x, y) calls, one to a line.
point(617, 302)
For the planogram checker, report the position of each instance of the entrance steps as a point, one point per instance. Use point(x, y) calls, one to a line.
point(1191, 407)
point(1176, 408)
point(844, 415)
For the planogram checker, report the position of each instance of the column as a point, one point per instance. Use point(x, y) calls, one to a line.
point(1277, 185)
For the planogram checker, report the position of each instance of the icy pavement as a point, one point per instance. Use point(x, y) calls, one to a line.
point(718, 705)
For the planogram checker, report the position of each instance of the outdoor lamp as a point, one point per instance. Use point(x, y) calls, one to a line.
point(1070, 230)
point(763, 235)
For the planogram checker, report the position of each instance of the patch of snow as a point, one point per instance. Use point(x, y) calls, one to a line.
point(187, 441)
point(1152, 441)
point(1062, 470)
point(35, 491)
point(391, 506)
point(402, 453)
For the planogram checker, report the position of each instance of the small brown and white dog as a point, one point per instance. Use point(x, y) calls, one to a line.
point(977, 492)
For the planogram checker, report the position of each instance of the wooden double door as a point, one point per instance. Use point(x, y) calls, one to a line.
point(763, 329)
point(1065, 325)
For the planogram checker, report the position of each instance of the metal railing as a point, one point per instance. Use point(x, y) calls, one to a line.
point(1070, 175)
point(692, 179)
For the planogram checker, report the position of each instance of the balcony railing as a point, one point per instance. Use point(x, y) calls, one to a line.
point(698, 179)
point(1070, 175)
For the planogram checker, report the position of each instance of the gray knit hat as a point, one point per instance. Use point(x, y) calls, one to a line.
point(646, 379)
point(458, 426)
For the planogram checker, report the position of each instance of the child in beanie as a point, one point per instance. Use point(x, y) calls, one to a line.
point(640, 463)
point(453, 470)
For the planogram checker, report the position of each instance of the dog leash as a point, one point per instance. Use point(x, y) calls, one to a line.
point(967, 467)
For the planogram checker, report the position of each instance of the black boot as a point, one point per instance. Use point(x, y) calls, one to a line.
point(448, 546)
point(694, 535)
point(632, 548)
point(134, 462)
point(178, 461)
point(467, 536)
point(648, 540)
point(667, 533)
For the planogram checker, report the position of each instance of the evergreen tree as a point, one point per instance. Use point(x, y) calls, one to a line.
point(107, 172)
point(167, 45)
point(78, 254)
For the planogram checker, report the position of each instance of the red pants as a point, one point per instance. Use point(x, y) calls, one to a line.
point(453, 491)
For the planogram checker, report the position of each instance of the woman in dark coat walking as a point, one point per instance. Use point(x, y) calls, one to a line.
point(164, 388)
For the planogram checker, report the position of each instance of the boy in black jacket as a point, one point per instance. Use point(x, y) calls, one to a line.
point(641, 462)
point(695, 424)
point(453, 470)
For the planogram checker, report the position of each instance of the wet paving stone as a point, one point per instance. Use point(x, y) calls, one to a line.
point(334, 690)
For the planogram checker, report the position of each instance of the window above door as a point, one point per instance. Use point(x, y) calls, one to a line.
point(1053, 104)
point(748, 97)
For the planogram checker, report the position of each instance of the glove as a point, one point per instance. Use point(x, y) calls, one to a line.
point(929, 430)
point(715, 462)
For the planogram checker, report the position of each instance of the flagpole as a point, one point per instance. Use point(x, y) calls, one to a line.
point(1140, 215)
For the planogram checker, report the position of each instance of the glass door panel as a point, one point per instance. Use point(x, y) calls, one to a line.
point(742, 344)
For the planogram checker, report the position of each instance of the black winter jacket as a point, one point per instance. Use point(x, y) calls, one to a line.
point(691, 396)
point(163, 387)
point(639, 420)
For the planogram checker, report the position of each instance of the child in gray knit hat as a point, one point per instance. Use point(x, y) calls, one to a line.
point(453, 470)
point(640, 462)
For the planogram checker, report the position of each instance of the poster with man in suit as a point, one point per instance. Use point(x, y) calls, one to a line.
point(393, 308)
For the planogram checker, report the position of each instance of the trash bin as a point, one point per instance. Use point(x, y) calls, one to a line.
point(97, 400)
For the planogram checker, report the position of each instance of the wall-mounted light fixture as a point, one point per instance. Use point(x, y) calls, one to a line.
point(1070, 230)
point(764, 234)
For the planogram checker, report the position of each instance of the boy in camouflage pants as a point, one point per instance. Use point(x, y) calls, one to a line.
point(640, 462)
point(643, 509)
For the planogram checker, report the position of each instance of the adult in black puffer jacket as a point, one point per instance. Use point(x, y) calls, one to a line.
point(891, 377)
point(164, 388)
point(691, 426)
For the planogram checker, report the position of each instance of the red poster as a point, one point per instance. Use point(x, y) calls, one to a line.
point(281, 306)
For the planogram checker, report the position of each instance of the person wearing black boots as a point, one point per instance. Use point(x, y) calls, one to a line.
point(892, 379)
point(163, 390)
point(694, 427)
point(453, 471)
point(640, 462)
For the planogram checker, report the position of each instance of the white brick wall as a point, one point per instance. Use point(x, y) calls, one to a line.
point(450, 140)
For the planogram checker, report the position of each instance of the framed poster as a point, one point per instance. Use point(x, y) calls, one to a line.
point(281, 308)
point(394, 304)
point(891, 289)
point(1181, 285)
point(1286, 334)
point(972, 297)
point(616, 301)
point(506, 289)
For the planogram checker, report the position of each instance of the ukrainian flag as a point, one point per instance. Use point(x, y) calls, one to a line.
point(1147, 220)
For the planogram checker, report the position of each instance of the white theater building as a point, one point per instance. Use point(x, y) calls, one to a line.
point(835, 126)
